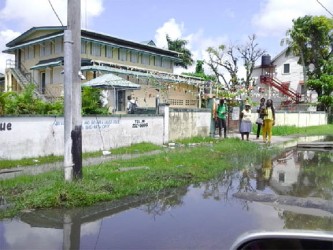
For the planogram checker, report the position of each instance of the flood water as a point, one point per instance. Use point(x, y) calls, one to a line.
point(205, 216)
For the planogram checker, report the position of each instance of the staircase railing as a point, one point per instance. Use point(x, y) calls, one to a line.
point(25, 77)
point(295, 96)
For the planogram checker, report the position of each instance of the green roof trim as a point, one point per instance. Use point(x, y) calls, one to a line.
point(47, 64)
point(32, 42)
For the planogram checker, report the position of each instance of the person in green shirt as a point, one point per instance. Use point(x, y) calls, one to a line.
point(221, 115)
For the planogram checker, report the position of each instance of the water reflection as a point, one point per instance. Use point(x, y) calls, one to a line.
point(293, 191)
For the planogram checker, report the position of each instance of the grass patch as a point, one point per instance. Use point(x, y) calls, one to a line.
point(293, 130)
point(105, 182)
point(135, 148)
point(29, 161)
point(312, 130)
point(196, 139)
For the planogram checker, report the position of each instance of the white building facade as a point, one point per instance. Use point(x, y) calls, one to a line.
point(282, 80)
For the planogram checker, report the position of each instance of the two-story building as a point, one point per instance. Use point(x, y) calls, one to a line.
point(146, 70)
point(281, 78)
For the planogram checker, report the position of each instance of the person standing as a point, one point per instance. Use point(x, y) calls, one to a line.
point(245, 122)
point(260, 111)
point(221, 114)
point(269, 121)
point(131, 104)
point(214, 104)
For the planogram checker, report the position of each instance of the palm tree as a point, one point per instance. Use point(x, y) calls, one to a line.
point(179, 45)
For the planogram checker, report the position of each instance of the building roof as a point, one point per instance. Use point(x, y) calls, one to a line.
point(144, 73)
point(58, 31)
point(48, 63)
point(149, 42)
point(111, 81)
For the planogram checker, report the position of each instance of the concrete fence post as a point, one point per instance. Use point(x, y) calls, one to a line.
point(166, 123)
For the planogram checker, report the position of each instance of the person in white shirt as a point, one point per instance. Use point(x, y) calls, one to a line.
point(245, 122)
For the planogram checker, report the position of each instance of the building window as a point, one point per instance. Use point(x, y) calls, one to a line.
point(47, 48)
point(43, 50)
point(83, 47)
point(286, 68)
point(145, 59)
point(158, 61)
point(134, 57)
point(166, 63)
point(108, 52)
point(152, 60)
point(59, 45)
point(96, 50)
point(122, 56)
point(281, 177)
point(176, 102)
point(190, 102)
point(29, 53)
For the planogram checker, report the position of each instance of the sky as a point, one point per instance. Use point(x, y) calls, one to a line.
point(203, 24)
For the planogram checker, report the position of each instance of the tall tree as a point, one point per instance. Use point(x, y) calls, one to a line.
point(200, 72)
point(324, 85)
point(179, 45)
point(199, 67)
point(250, 53)
point(223, 57)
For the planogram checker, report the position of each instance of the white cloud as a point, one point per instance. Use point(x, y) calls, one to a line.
point(198, 43)
point(25, 13)
point(170, 28)
point(275, 16)
point(5, 36)
point(17, 234)
point(22, 15)
point(91, 228)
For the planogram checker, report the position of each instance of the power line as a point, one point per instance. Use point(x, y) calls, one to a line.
point(55, 12)
point(325, 8)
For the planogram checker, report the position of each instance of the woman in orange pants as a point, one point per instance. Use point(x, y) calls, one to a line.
point(269, 121)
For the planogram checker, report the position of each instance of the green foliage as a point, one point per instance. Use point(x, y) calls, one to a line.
point(26, 103)
point(91, 103)
point(323, 84)
point(179, 45)
point(311, 39)
point(201, 75)
point(3, 100)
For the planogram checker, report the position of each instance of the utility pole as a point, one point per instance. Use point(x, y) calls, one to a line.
point(72, 93)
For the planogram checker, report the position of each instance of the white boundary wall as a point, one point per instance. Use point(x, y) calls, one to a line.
point(298, 119)
point(301, 119)
point(30, 137)
point(184, 123)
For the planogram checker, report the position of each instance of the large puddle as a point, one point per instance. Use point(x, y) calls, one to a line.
point(290, 191)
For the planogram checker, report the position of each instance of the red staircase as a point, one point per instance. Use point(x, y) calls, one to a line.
point(284, 89)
